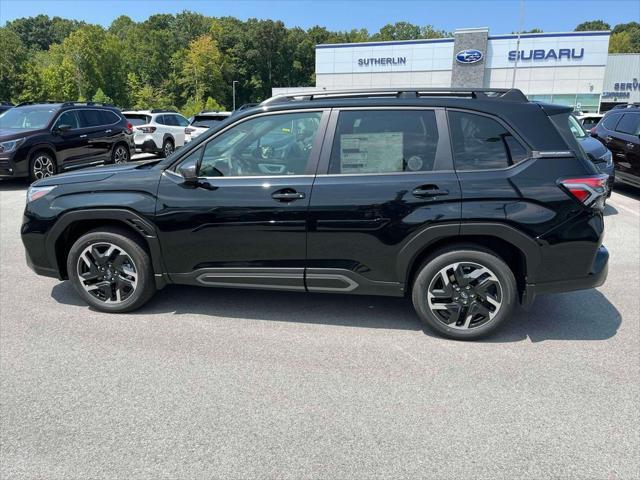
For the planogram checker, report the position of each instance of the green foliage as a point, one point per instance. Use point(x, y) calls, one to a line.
point(101, 97)
point(186, 60)
point(593, 26)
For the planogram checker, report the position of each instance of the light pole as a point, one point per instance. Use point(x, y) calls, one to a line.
point(515, 65)
point(233, 86)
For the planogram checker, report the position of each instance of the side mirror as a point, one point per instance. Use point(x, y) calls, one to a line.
point(189, 172)
point(62, 128)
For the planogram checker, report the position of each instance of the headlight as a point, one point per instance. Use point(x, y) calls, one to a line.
point(607, 157)
point(34, 193)
point(10, 146)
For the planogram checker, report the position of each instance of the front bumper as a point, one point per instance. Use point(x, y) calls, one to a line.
point(596, 277)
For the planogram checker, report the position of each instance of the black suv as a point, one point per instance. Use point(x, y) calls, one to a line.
point(38, 140)
point(619, 130)
point(470, 202)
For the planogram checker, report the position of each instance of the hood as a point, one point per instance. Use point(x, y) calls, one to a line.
point(593, 146)
point(12, 134)
point(94, 174)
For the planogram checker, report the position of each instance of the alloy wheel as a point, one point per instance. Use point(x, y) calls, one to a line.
point(168, 149)
point(464, 295)
point(107, 272)
point(121, 155)
point(43, 167)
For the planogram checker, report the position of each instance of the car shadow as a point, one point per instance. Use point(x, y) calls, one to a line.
point(13, 184)
point(584, 315)
point(610, 210)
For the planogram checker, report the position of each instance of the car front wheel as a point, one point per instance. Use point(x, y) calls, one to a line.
point(42, 165)
point(464, 293)
point(111, 270)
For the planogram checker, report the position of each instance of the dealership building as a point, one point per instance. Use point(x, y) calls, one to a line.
point(572, 68)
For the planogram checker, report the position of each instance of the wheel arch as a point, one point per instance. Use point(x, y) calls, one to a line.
point(520, 252)
point(43, 147)
point(73, 225)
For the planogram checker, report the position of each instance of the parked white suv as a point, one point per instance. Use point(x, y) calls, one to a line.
point(157, 131)
point(203, 121)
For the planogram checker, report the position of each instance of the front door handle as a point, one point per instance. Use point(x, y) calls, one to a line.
point(287, 195)
point(631, 145)
point(429, 191)
point(609, 139)
point(107, 131)
point(83, 136)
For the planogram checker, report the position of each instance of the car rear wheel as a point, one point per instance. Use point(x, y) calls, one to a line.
point(120, 154)
point(167, 147)
point(464, 293)
point(111, 270)
point(42, 165)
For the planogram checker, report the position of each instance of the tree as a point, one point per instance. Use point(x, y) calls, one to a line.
point(40, 32)
point(625, 38)
point(12, 62)
point(101, 97)
point(593, 26)
point(201, 69)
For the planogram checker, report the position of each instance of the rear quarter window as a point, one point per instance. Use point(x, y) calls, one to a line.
point(610, 121)
point(483, 143)
point(629, 124)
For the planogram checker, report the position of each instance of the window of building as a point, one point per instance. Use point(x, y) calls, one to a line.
point(384, 141)
point(482, 143)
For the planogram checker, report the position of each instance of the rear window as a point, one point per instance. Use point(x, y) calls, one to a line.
point(629, 124)
point(482, 143)
point(138, 119)
point(206, 121)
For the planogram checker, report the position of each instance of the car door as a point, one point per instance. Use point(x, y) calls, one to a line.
point(606, 133)
point(112, 133)
point(70, 141)
point(95, 130)
point(180, 123)
point(385, 187)
point(244, 223)
point(627, 131)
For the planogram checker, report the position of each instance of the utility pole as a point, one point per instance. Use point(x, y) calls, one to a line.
point(233, 86)
point(520, 27)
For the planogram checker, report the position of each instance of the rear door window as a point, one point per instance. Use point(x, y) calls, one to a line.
point(482, 143)
point(610, 121)
point(384, 141)
point(629, 124)
point(90, 118)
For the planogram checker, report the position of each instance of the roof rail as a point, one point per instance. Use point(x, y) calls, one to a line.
point(99, 104)
point(4, 102)
point(22, 104)
point(162, 110)
point(509, 94)
point(627, 105)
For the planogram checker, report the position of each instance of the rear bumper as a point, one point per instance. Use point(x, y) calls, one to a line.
point(596, 277)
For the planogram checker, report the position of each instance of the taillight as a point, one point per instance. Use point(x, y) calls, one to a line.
point(147, 129)
point(129, 127)
point(189, 130)
point(586, 189)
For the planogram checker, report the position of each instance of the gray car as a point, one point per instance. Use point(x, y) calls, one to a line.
point(599, 154)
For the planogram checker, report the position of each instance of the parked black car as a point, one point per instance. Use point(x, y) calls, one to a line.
point(470, 202)
point(4, 106)
point(38, 140)
point(619, 130)
point(599, 154)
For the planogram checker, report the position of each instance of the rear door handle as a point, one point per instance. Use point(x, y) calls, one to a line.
point(107, 131)
point(83, 136)
point(609, 139)
point(287, 195)
point(429, 191)
point(631, 145)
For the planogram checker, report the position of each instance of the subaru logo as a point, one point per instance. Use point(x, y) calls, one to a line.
point(469, 56)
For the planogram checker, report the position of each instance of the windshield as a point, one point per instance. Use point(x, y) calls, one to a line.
point(29, 118)
point(576, 128)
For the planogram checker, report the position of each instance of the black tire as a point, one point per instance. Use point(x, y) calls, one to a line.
point(140, 264)
point(479, 303)
point(120, 153)
point(42, 165)
point(168, 147)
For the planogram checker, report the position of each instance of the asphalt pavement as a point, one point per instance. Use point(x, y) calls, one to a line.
point(231, 384)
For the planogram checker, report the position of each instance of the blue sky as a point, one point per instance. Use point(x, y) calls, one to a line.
point(501, 16)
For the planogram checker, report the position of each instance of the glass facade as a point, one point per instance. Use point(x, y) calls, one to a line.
point(584, 102)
